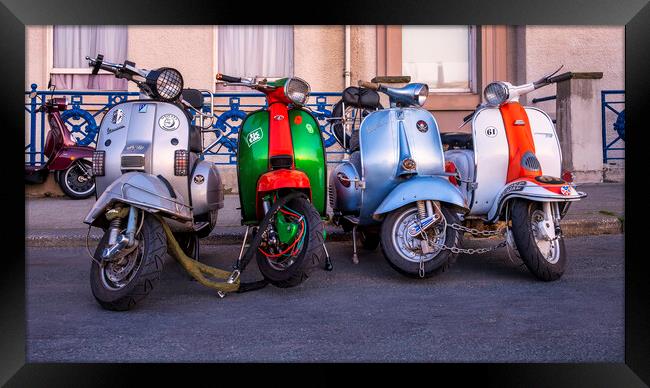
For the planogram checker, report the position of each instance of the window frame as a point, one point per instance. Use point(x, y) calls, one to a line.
point(215, 58)
point(63, 70)
point(488, 62)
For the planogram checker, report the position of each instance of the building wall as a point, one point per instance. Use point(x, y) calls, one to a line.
point(319, 56)
point(580, 49)
point(186, 48)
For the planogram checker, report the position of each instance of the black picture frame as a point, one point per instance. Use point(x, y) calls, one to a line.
point(15, 14)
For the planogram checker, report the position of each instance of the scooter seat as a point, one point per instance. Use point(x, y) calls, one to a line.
point(457, 140)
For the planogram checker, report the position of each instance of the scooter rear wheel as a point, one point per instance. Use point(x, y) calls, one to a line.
point(311, 254)
point(74, 182)
point(120, 286)
point(548, 265)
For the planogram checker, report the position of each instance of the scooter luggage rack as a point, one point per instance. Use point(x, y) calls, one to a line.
point(179, 205)
point(349, 127)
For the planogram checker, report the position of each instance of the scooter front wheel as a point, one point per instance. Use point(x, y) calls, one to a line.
point(405, 253)
point(544, 257)
point(287, 264)
point(119, 285)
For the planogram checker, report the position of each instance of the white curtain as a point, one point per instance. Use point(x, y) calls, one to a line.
point(73, 43)
point(250, 51)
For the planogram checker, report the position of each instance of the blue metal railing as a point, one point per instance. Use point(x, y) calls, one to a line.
point(612, 105)
point(85, 109)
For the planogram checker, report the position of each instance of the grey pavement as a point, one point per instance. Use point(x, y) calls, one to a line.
point(59, 221)
point(484, 309)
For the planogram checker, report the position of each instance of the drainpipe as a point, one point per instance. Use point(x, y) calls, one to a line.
point(346, 71)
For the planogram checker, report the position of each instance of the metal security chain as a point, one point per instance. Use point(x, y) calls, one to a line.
point(476, 232)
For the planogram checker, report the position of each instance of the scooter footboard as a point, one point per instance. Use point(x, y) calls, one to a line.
point(144, 191)
point(528, 189)
point(422, 188)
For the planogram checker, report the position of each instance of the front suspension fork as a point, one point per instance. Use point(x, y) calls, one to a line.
point(120, 243)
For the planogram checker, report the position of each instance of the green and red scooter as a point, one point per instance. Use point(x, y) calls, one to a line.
point(281, 170)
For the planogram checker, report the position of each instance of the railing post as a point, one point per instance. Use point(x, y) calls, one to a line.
point(32, 125)
point(578, 125)
point(603, 124)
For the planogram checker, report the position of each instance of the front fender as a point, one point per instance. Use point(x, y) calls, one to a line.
point(421, 188)
point(144, 191)
point(531, 190)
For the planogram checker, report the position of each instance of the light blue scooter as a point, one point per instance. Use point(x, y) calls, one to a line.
point(394, 188)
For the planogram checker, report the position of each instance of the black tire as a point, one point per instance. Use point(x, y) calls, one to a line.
point(522, 213)
point(210, 217)
point(188, 242)
point(147, 271)
point(68, 181)
point(439, 264)
point(369, 240)
point(312, 254)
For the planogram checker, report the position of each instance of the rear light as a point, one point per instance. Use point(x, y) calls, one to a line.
point(181, 162)
point(450, 167)
point(567, 176)
point(98, 163)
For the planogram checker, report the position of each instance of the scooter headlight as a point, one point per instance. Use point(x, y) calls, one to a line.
point(297, 91)
point(496, 93)
point(422, 94)
point(165, 83)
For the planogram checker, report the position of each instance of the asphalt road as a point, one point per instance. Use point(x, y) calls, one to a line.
point(484, 309)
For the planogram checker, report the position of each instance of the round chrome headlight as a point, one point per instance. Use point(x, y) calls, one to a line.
point(422, 94)
point(165, 83)
point(496, 93)
point(297, 90)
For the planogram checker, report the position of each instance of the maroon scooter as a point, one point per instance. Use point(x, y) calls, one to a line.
point(71, 163)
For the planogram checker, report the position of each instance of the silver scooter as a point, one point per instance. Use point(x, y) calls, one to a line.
point(394, 187)
point(147, 165)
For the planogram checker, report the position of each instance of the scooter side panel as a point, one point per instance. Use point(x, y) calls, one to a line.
point(309, 155)
point(252, 160)
point(547, 145)
point(491, 158)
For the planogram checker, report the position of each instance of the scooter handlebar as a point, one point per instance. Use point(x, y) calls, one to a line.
point(227, 78)
point(369, 85)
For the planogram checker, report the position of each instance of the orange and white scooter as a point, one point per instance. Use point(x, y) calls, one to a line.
point(509, 169)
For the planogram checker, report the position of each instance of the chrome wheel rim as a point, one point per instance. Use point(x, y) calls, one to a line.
point(77, 181)
point(550, 249)
point(408, 247)
point(117, 275)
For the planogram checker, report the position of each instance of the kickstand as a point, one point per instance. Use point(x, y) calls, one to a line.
point(328, 261)
point(355, 258)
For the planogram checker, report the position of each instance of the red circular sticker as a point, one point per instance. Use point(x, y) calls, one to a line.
point(297, 120)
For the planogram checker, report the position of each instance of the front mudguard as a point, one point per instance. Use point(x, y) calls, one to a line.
point(422, 188)
point(524, 188)
point(144, 191)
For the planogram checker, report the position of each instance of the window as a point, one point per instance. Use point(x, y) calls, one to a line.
point(249, 51)
point(438, 56)
point(71, 45)
point(455, 61)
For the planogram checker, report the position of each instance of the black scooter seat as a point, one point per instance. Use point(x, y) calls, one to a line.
point(457, 140)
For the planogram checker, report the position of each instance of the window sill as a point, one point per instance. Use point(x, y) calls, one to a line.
point(452, 101)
